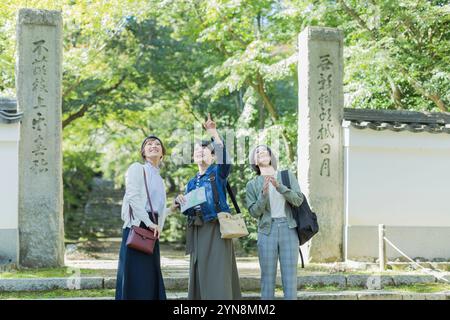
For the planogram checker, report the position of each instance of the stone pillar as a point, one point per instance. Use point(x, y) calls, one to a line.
point(38, 83)
point(320, 150)
point(9, 183)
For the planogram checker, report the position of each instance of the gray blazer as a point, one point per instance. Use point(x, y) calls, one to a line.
point(258, 204)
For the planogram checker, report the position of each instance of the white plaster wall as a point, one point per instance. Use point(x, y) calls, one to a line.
point(9, 175)
point(402, 180)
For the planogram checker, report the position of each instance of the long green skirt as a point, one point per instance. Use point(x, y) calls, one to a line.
point(213, 273)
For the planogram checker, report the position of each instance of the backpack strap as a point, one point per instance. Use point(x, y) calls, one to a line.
point(285, 178)
point(301, 256)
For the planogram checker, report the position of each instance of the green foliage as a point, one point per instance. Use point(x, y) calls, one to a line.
point(135, 67)
point(77, 175)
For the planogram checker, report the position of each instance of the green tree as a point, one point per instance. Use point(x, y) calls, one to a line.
point(134, 67)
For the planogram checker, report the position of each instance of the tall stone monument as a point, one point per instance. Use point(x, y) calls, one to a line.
point(38, 83)
point(320, 150)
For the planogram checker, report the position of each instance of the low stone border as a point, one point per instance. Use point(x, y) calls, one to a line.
point(322, 280)
point(372, 295)
point(397, 266)
point(247, 283)
point(317, 295)
point(41, 284)
point(410, 279)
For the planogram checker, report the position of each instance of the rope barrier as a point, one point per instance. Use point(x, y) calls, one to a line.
point(434, 273)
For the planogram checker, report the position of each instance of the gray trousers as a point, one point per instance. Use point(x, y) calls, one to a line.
point(281, 243)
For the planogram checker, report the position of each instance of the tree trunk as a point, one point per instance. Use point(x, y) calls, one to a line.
point(259, 87)
point(261, 115)
point(396, 95)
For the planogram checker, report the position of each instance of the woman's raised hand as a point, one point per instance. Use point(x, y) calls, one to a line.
point(209, 123)
point(274, 182)
point(210, 126)
point(265, 189)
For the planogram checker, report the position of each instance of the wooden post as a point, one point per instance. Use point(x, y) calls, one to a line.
point(382, 247)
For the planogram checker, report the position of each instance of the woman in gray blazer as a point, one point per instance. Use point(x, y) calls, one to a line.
point(266, 199)
point(139, 275)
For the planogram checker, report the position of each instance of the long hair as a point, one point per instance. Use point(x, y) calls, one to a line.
point(251, 158)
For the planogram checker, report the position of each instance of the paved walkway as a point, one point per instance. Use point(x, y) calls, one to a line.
point(170, 266)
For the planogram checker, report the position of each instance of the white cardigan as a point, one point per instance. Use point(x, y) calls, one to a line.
point(136, 197)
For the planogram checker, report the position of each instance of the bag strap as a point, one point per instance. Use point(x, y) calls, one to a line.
point(212, 178)
point(233, 198)
point(148, 196)
point(285, 178)
point(130, 211)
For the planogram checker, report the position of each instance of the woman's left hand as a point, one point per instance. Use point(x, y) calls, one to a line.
point(174, 207)
point(274, 182)
point(156, 231)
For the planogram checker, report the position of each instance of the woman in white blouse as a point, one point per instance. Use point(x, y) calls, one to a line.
point(139, 275)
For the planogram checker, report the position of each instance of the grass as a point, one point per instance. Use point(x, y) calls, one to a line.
point(328, 288)
point(59, 293)
point(53, 273)
point(420, 288)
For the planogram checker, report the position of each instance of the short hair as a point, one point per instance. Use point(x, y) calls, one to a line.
point(205, 144)
point(151, 137)
point(251, 159)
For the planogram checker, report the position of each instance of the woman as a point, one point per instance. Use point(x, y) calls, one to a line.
point(213, 272)
point(266, 199)
point(139, 275)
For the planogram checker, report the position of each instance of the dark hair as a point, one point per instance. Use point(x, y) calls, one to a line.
point(205, 143)
point(151, 137)
point(273, 159)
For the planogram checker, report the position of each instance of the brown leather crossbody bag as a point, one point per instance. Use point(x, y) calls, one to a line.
point(142, 239)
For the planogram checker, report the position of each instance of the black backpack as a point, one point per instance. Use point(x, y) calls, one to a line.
point(307, 225)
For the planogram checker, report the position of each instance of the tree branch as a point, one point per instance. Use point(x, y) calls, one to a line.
point(80, 113)
point(431, 96)
point(356, 16)
point(396, 94)
point(259, 87)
